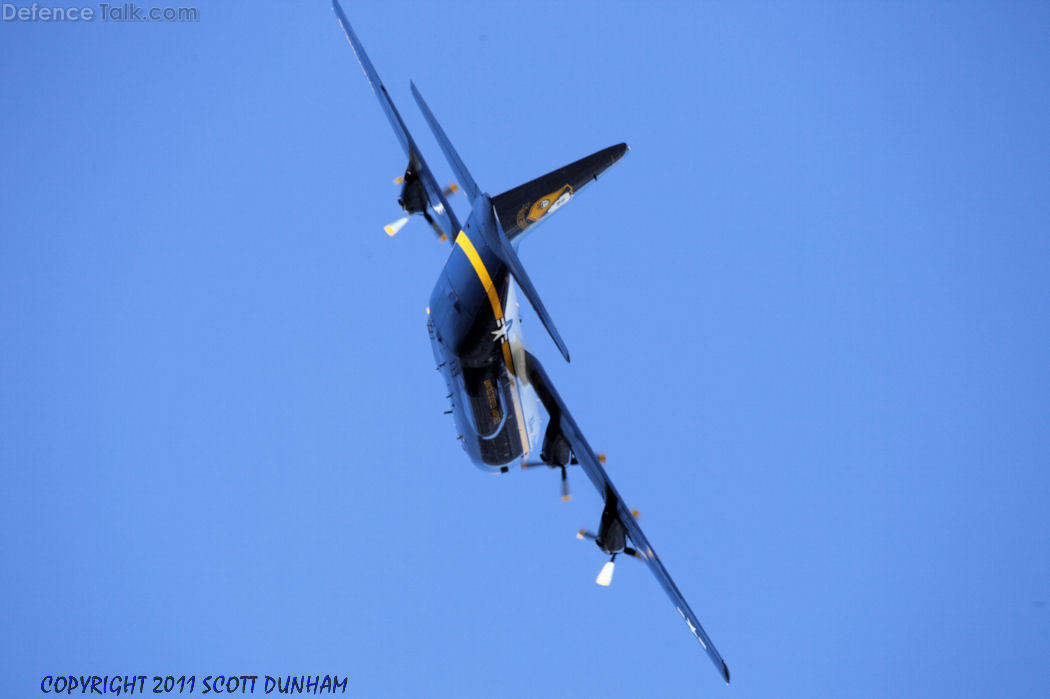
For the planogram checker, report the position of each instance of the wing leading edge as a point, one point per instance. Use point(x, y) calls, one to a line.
point(451, 224)
point(596, 473)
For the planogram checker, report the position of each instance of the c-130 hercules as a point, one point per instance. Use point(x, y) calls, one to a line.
point(496, 386)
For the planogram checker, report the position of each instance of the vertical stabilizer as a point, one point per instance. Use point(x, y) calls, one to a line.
point(526, 205)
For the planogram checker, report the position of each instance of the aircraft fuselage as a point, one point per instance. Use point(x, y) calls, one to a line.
point(475, 330)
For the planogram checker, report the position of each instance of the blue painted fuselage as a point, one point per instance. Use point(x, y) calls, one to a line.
point(476, 334)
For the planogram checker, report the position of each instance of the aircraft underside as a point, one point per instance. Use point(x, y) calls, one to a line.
point(498, 390)
point(482, 373)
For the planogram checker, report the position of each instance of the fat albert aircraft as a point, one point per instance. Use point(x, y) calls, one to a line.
point(498, 389)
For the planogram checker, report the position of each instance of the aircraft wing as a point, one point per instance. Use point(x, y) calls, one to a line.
point(597, 475)
point(451, 224)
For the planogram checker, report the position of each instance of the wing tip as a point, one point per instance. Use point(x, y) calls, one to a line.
point(725, 671)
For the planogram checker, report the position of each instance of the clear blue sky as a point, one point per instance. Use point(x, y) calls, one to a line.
point(808, 316)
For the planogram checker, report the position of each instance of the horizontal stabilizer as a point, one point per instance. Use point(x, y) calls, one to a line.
point(528, 204)
point(462, 174)
point(501, 246)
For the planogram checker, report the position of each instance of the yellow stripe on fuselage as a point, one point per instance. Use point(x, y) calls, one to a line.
point(497, 310)
point(483, 274)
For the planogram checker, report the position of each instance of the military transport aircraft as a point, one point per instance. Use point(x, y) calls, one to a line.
point(496, 386)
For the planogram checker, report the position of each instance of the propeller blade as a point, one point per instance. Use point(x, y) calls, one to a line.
point(437, 229)
point(451, 189)
point(586, 534)
point(631, 552)
point(566, 494)
point(392, 228)
point(605, 576)
point(601, 458)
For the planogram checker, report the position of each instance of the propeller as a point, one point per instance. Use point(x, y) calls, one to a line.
point(392, 229)
point(605, 576)
point(566, 494)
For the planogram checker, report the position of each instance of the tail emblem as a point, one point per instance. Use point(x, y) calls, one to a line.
point(531, 213)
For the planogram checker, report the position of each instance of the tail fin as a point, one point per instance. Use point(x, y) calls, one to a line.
point(530, 203)
point(462, 174)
